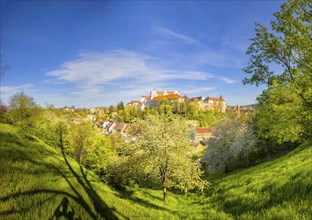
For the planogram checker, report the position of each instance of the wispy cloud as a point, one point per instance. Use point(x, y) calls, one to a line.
point(8, 91)
point(108, 77)
point(121, 75)
point(173, 34)
point(227, 80)
point(91, 71)
point(14, 89)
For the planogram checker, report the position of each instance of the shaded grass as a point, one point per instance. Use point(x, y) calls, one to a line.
point(39, 182)
point(280, 189)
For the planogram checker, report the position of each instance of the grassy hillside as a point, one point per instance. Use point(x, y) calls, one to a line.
point(38, 182)
point(280, 189)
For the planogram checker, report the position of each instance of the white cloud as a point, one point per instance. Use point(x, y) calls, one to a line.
point(169, 33)
point(8, 91)
point(91, 72)
point(227, 80)
point(14, 89)
point(102, 79)
point(200, 53)
point(106, 78)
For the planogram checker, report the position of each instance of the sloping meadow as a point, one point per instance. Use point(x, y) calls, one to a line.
point(280, 189)
point(37, 181)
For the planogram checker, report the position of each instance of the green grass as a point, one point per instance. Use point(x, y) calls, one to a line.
point(280, 189)
point(37, 182)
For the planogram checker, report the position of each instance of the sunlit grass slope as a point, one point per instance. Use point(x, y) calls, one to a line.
point(280, 189)
point(38, 182)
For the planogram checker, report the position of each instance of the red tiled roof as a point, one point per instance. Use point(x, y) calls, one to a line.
point(221, 99)
point(133, 102)
point(167, 97)
point(195, 99)
point(203, 130)
point(126, 128)
point(160, 93)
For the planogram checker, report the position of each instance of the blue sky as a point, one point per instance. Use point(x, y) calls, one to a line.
point(97, 53)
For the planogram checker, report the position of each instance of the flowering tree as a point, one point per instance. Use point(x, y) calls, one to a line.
point(231, 138)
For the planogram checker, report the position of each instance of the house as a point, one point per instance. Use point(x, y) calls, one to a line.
point(198, 99)
point(110, 127)
point(113, 127)
point(155, 97)
point(103, 124)
point(91, 118)
point(210, 103)
point(246, 110)
point(203, 133)
point(121, 127)
point(217, 104)
point(136, 104)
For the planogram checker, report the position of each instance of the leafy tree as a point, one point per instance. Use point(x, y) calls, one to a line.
point(53, 128)
point(160, 152)
point(164, 107)
point(230, 139)
point(126, 115)
point(83, 135)
point(280, 115)
point(192, 108)
point(99, 154)
point(287, 101)
point(22, 109)
point(182, 108)
point(120, 106)
point(111, 108)
point(206, 119)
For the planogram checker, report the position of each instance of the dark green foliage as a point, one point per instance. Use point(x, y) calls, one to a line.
point(284, 112)
point(120, 106)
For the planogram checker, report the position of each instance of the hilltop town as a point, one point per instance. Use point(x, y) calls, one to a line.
point(118, 119)
point(153, 100)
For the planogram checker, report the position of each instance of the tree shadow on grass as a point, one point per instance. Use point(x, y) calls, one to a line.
point(23, 210)
point(96, 208)
point(293, 192)
point(64, 210)
point(143, 202)
point(129, 195)
point(99, 205)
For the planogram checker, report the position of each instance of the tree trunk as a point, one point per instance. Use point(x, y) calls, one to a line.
point(165, 194)
point(227, 166)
